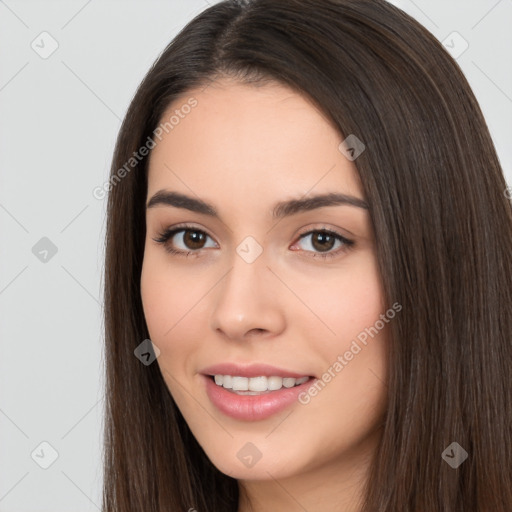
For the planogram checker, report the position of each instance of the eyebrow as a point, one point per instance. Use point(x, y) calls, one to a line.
point(280, 210)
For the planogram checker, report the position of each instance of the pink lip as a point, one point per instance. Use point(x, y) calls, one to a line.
point(252, 407)
point(250, 370)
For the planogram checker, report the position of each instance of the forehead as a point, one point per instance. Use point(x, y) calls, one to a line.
point(240, 139)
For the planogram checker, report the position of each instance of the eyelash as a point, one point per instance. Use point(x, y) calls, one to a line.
point(167, 234)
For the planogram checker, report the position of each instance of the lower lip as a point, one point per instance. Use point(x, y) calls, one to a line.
point(252, 407)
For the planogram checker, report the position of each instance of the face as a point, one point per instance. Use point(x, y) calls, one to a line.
point(283, 297)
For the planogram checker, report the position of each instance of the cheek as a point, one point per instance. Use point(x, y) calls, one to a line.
point(158, 300)
point(345, 305)
point(175, 314)
point(164, 297)
point(353, 345)
point(173, 305)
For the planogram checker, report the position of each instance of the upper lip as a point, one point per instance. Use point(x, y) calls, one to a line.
point(251, 370)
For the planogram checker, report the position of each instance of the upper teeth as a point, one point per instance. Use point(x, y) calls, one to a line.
point(257, 383)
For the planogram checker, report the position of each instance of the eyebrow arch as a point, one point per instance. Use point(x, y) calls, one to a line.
point(280, 210)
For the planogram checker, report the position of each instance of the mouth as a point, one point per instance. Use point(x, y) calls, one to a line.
point(253, 392)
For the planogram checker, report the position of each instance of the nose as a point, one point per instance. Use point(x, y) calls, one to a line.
point(248, 301)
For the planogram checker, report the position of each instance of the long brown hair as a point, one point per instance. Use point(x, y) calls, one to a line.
point(443, 235)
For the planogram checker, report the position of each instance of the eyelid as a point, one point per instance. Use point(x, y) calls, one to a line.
point(324, 227)
point(183, 227)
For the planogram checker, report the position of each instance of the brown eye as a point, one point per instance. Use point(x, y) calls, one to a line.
point(323, 241)
point(183, 240)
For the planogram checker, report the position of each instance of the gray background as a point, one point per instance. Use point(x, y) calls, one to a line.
point(59, 119)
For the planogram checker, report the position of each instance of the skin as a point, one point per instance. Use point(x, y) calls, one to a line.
point(244, 148)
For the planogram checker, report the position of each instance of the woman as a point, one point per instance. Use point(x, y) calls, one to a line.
point(308, 219)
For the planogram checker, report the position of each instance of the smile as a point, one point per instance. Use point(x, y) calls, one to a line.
point(256, 385)
point(248, 405)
